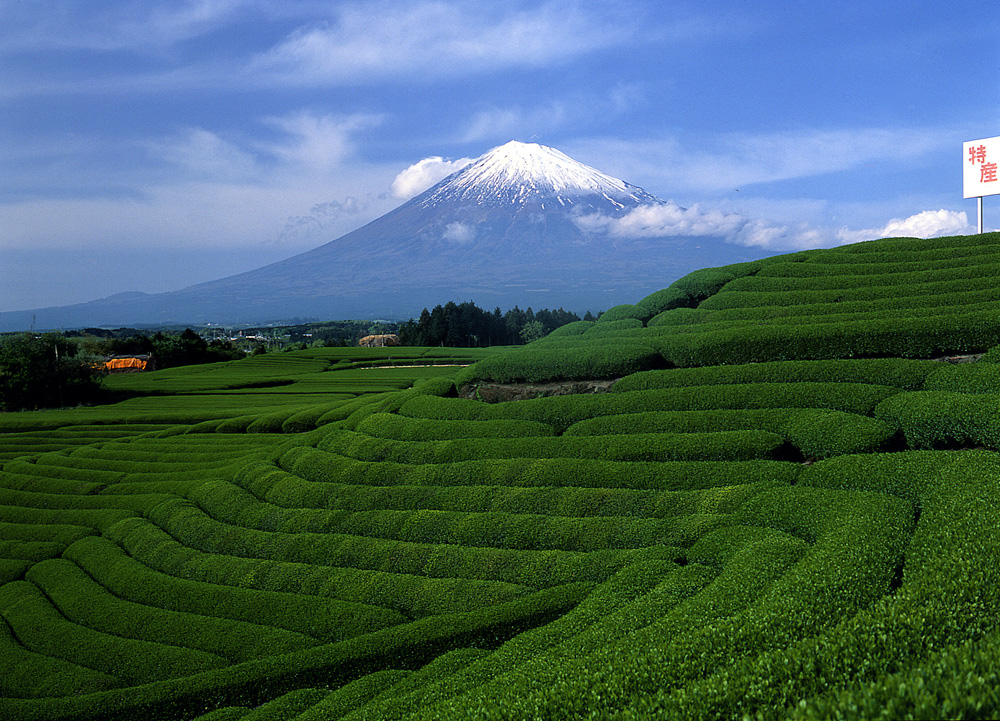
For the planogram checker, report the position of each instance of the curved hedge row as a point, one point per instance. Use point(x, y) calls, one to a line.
point(817, 433)
point(705, 319)
point(899, 373)
point(85, 602)
point(26, 674)
point(496, 529)
point(930, 419)
point(534, 364)
point(873, 277)
point(561, 412)
point(131, 580)
point(326, 474)
point(736, 445)
point(394, 427)
point(332, 664)
point(924, 337)
point(197, 530)
point(41, 628)
point(862, 291)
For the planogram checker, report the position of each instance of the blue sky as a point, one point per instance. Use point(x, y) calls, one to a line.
point(148, 145)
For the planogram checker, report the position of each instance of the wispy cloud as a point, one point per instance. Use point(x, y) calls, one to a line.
point(728, 161)
point(206, 155)
point(576, 110)
point(672, 220)
point(216, 189)
point(318, 142)
point(107, 26)
point(434, 38)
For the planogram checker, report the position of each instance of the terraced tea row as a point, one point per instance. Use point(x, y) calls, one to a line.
point(807, 535)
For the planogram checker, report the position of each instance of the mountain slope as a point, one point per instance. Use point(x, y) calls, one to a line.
point(507, 229)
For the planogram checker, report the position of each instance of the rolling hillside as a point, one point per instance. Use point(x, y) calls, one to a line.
point(787, 507)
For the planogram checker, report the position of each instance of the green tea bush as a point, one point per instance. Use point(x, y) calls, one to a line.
point(611, 327)
point(662, 301)
point(411, 595)
point(41, 628)
point(533, 365)
point(32, 551)
point(980, 378)
point(575, 328)
point(325, 475)
point(330, 663)
point(13, 569)
point(395, 427)
point(893, 372)
point(62, 534)
point(817, 433)
point(495, 529)
point(96, 518)
point(623, 312)
point(354, 695)
point(930, 419)
point(128, 579)
point(738, 445)
point(34, 480)
point(546, 568)
point(922, 337)
point(563, 411)
point(26, 674)
point(85, 602)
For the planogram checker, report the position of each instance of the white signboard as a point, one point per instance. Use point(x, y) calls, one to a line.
point(979, 163)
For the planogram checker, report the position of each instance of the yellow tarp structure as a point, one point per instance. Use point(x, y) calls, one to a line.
point(121, 364)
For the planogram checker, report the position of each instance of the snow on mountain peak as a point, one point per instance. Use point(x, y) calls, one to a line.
point(518, 172)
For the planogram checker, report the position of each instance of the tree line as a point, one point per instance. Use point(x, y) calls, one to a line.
point(465, 325)
point(54, 370)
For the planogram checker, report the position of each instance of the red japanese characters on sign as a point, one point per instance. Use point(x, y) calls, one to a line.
point(979, 176)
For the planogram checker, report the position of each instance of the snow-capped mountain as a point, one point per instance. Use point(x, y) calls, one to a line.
point(510, 228)
point(518, 173)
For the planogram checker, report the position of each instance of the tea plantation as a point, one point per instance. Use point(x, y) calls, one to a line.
point(787, 505)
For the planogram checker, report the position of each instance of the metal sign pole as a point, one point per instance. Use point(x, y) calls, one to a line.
point(980, 215)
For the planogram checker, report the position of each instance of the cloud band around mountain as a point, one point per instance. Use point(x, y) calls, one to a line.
point(670, 219)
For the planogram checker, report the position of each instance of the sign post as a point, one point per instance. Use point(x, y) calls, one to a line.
point(979, 171)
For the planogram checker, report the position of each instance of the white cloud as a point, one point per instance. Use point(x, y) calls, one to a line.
point(433, 38)
point(928, 224)
point(459, 232)
point(670, 219)
point(423, 174)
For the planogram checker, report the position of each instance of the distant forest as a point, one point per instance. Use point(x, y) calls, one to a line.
point(466, 325)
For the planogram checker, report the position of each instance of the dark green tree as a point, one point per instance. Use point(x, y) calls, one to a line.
point(46, 371)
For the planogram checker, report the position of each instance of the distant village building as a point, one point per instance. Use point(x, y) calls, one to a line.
point(379, 341)
point(130, 364)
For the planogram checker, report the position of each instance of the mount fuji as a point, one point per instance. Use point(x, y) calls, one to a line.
point(523, 224)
